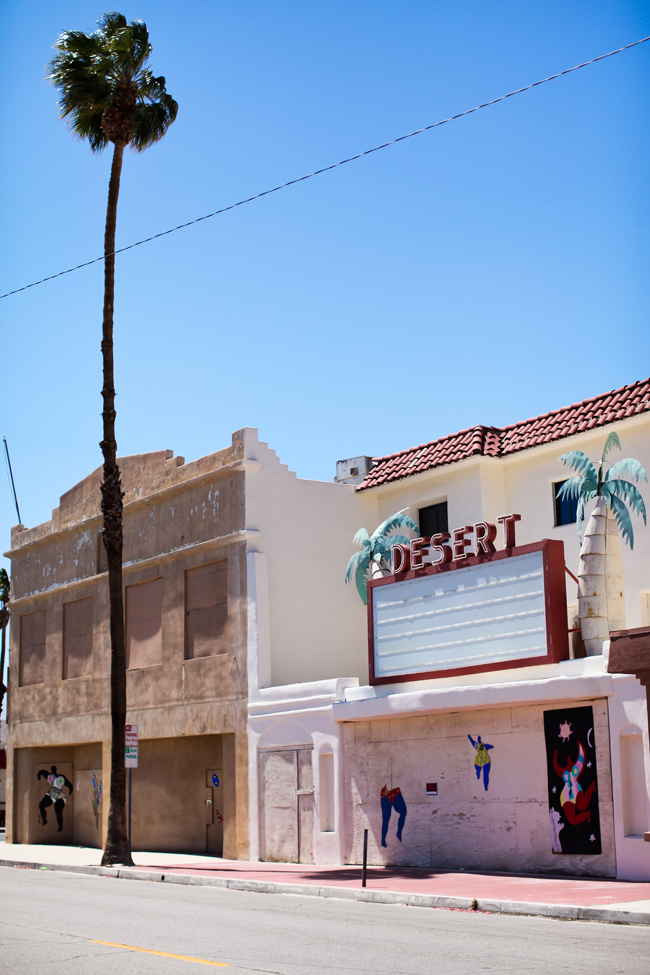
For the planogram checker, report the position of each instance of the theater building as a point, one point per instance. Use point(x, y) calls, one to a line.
point(479, 715)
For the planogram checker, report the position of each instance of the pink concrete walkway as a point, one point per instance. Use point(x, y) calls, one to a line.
point(527, 888)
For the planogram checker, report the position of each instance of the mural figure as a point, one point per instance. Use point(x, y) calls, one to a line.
point(97, 796)
point(482, 760)
point(54, 795)
point(572, 796)
point(572, 781)
point(390, 800)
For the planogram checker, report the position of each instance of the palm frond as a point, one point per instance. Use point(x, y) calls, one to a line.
point(5, 587)
point(92, 73)
point(361, 578)
point(611, 442)
point(630, 494)
point(387, 543)
point(383, 546)
point(399, 520)
point(361, 537)
point(354, 562)
point(623, 519)
point(581, 463)
point(628, 467)
point(572, 488)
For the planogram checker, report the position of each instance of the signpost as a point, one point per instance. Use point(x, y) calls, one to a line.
point(130, 761)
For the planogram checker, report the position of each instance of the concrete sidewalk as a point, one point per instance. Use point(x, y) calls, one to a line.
point(570, 897)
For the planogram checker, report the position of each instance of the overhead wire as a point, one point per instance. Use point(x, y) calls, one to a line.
point(326, 169)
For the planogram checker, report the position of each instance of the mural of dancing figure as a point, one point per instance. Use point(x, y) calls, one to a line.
point(390, 800)
point(54, 795)
point(572, 796)
point(482, 760)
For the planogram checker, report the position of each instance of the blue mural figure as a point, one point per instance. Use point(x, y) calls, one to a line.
point(54, 795)
point(390, 800)
point(482, 760)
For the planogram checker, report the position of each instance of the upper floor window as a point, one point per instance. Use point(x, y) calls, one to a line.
point(32, 648)
point(433, 519)
point(566, 509)
point(144, 624)
point(78, 638)
point(206, 610)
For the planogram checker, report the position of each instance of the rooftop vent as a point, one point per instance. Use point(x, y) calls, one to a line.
point(353, 470)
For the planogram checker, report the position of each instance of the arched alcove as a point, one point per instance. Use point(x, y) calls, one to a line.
point(634, 793)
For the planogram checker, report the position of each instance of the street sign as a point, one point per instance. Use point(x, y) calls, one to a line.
point(131, 746)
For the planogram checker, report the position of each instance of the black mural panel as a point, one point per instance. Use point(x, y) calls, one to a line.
point(572, 780)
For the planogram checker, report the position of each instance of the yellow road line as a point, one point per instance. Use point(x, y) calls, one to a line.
point(165, 954)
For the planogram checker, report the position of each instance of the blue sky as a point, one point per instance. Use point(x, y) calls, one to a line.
point(488, 271)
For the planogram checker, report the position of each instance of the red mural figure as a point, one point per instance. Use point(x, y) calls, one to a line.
point(392, 799)
point(573, 797)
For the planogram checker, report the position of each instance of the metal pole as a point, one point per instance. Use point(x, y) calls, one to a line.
point(130, 770)
point(365, 858)
point(11, 475)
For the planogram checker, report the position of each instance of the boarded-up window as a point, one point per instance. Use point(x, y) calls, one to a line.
point(32, 648)
point(78, 638)
point(144, 624)
point(206, 609)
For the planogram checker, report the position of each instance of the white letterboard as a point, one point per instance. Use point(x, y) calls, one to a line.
point(470, 617)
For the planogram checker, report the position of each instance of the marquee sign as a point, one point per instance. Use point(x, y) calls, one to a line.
point(444, 612)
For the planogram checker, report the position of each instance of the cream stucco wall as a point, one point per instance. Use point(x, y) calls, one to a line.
point(316, 624)
point(503, 828)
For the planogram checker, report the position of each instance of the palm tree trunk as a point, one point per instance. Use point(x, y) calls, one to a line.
point(592, 582)
point(601, 602)
point(614, 574)
point(116, 850)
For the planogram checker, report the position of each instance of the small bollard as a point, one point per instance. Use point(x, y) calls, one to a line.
point(365, 858)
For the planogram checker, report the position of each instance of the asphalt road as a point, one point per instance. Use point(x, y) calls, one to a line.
point(50, 924)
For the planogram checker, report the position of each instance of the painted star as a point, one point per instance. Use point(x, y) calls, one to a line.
point(554, 788)
point(565, 731)
point(588, 764)
point(592, 838)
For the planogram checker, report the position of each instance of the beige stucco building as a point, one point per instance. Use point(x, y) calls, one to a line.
point(221, 560)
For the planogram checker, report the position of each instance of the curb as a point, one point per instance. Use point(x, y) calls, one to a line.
point(487, 906)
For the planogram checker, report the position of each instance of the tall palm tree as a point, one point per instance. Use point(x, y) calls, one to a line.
point(376, 548)
point(108, 95)
point(601, 606)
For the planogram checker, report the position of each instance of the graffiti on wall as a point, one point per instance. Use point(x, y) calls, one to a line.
point(572, 781)
point(97, 795)
point(482, 759)
point(392, 799)
point(54, 795)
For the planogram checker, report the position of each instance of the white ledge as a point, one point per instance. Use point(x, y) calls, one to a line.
point(299, 697)
point(475, 697)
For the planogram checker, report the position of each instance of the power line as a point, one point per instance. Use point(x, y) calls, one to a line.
point(326, 169)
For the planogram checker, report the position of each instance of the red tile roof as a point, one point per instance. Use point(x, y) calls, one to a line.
point(501, 441)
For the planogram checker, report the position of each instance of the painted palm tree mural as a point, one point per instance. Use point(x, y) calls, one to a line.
point(601, 603)
point(375, 549)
